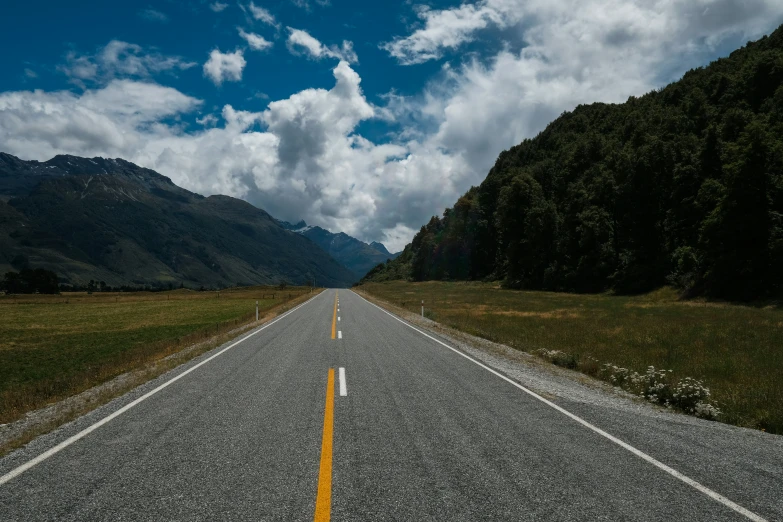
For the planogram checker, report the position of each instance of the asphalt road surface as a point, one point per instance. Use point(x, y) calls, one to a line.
point(355, 415)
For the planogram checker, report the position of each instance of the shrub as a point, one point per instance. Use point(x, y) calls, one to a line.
point(559, 358)
point(687, 395)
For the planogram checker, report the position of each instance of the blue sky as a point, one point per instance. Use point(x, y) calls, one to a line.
point(365, 117)
point(192, 29)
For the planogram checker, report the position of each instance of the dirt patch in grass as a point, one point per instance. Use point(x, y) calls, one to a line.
point(554, 314)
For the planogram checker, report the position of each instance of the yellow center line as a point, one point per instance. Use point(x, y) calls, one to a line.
point(334, 317)
point(323, 502)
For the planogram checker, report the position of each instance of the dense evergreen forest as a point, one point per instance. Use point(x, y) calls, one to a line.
point(681, 186)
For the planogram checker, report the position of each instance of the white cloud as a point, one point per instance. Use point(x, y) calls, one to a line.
point(107, 120)
point(218, 6)
point(305, 4)
point(209, 120)
point(261, 14)
point(300, 41)
point(222, 67)
point(120, 59)
point(255, 41)
point(690, 20)
point(449, 28)
point(153, 15)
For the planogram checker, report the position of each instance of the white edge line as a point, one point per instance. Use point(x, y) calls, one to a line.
point(70, 440)
point(660, 465)
point(343, 385)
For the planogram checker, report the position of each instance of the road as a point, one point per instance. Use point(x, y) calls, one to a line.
point(409, 429)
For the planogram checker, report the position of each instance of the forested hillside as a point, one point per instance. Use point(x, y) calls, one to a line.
point(681, 186)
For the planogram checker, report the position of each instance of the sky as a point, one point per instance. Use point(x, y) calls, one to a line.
point(361, 117)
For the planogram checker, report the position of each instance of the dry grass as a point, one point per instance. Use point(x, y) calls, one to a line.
point(736, 350)
point(53, 347)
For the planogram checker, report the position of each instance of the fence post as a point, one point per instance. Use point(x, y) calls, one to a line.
point(256, 310)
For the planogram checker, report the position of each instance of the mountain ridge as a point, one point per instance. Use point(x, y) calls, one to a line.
point(356, 255)
point(111, 220)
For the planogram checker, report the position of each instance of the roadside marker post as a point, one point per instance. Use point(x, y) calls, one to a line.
point(422, 307)
point(256, 310)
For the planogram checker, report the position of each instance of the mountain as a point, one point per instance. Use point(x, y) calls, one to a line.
point(293, 227)
point(381, 248)
point(111, 220)
point(357, 256)
point(683, 186)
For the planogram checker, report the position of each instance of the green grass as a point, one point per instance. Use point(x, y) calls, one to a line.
point(737, 351)
point(55, 346)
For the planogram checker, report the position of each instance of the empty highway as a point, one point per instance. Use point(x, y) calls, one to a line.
point(339, 410)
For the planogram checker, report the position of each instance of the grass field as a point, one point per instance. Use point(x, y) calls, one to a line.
point(52, 347)
point(737, 351)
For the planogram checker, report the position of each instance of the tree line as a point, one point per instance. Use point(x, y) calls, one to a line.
point(682, 186)
point(30, 281)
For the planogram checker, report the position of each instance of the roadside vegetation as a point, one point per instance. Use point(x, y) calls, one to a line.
point(710, 359)
point(55, 346)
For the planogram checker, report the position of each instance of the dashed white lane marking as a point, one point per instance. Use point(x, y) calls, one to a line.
point(660, 465)
point(339, 334)
point(67, 442)
point(338, 317)
point(343, 384)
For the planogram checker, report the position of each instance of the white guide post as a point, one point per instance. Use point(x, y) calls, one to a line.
point(256, 310)
point(422, 307)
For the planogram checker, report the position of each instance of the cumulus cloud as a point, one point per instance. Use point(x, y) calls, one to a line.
point(109, 119)
point(449, 28)
point(119, 59)
point(209, 120)
point(255, 41)
point(222, 67)
point(301, 42)
point(218, 6)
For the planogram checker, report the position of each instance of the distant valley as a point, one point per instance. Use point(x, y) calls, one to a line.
point(357, 256)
